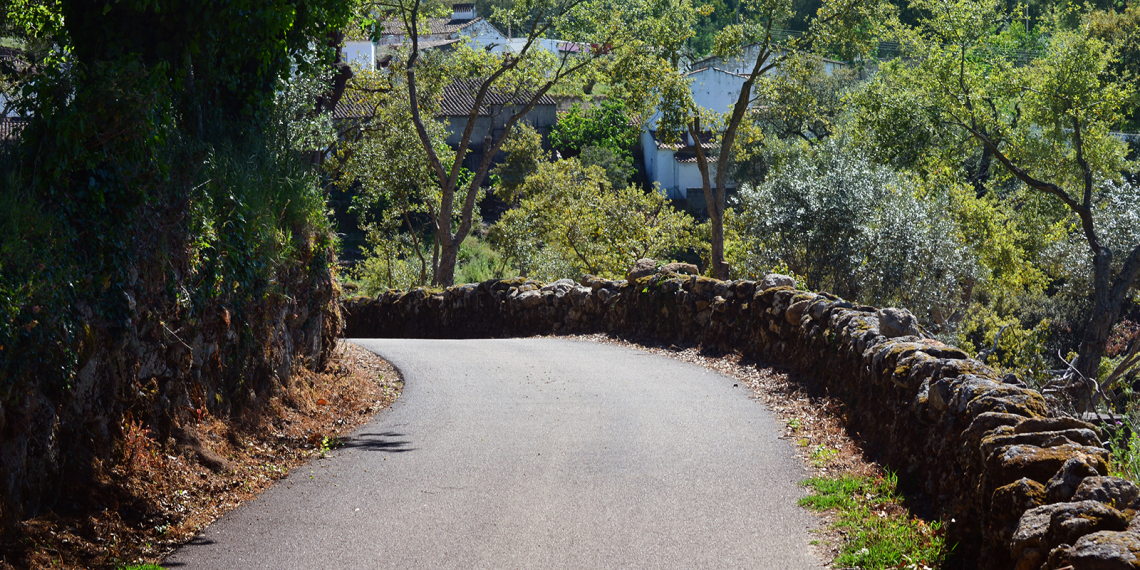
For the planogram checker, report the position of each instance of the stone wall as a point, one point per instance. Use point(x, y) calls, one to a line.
point(1018, 488)
point(156, 368)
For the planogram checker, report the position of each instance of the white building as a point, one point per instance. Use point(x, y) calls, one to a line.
point(438, 33)
point(441, 33)
point(674, 166)
point(715, 84)
point(746, 60)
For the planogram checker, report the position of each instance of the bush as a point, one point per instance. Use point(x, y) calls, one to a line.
point(606, 125)
point(859, 230)
point(571, 221)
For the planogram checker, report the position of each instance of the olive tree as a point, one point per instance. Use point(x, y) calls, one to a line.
point(593, 27)
point(862, 230)
point(570, 221)
point(1047, 122)
point(845, 28)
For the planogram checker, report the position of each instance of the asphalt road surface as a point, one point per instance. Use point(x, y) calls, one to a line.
point(535, 453)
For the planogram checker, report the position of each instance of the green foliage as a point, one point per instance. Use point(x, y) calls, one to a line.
point(235, 50)
point(479, 262)
point(606, 125)
point(395, 262)
point(32, 20)
point(804, 100)
point(879, 532)
point(114, 208)
point(1121, 31)
point(1042, 113)
point(524, 75)
point(618, 168)
point(1019, 350)
point(524, 153)
point(1125, 459)
point(380, 156)
point(570, 221)
point(862, 231)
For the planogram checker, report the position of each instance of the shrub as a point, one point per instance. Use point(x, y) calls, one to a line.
point(863, 231)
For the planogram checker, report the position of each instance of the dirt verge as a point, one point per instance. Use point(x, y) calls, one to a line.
point(154, 496)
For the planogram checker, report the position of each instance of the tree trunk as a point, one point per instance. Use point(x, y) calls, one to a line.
point(448, 256)
point(714, 203)
point(719, 265)
point(1108, 300)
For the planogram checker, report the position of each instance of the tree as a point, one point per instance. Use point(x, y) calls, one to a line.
point(380, 155)
point(606, 125)
point(1046, 122)
point(225, 55)
point(570, 220)
point(1121, 30)
point(861, 230)
point(521, 78)
point(524, 155)
point(844, 28)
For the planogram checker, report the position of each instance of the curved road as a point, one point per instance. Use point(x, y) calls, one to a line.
point(535, 453)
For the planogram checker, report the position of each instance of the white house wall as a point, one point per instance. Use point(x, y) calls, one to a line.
point(712, 89)
point(687, 175)
point(362, 53)
point(743, 63)
point(483, 31)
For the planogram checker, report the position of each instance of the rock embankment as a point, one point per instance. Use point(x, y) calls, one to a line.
point(1021, 489)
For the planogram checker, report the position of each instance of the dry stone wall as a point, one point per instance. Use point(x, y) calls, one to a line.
point(156, 371)
point(1019, 489)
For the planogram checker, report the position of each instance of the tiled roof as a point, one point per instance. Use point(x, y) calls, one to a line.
point(351, 106)
point(10, 129)
point(435, 26)
point(706, 142)
point(690, 159)
point(459, 98)
point(432, 44)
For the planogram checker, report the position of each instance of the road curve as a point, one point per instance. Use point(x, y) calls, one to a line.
point(535, 453)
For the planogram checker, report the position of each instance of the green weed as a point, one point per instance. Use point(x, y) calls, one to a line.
point(821, 455)
point(478, 262)
point(880, 533)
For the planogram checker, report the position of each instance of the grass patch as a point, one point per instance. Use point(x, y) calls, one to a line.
point(880, 532)
point(1125, 459)
point(478, 261)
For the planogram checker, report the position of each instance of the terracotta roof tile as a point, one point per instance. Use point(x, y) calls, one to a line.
point(459, 98)
point(435, 26)
point(351, 106)
point(706, 142)
point(689, 159)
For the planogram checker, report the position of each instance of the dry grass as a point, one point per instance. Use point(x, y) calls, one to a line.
point(158, 495)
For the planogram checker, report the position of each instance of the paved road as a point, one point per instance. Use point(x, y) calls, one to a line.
point(535, 453)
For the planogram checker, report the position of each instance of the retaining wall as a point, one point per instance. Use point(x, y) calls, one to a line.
point(1018, 488)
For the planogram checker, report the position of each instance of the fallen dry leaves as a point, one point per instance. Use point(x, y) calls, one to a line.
point(158, 495)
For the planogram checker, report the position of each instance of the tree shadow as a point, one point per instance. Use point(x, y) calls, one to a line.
point(388, 442)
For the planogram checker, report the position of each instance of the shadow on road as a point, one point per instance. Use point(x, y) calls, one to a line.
point(196, 541)
point(388, 442)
